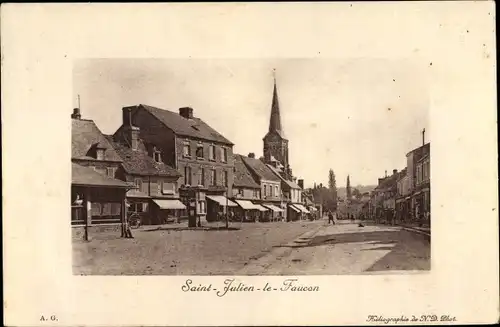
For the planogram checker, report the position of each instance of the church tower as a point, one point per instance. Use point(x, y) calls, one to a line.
point(275, 143)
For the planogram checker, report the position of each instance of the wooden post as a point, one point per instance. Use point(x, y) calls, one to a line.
point(124, 216)
point(88, 214)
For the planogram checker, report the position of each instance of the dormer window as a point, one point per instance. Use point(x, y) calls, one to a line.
point(156, 155)
point(100, 154)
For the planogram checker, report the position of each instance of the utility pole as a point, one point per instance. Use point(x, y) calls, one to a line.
point(423, 136)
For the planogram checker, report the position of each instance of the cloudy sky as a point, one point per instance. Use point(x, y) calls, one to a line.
point(357, 116)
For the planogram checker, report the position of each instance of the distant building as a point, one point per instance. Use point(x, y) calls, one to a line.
point(246, 192)
point(270, 184)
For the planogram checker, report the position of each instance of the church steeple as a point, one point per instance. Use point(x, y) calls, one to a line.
point(275, 119)
point(275, 143)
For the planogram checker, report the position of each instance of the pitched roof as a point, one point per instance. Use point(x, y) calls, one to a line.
point(290, 184)
point(195, 127)
point(85, 135)
point(275, 119)
point(138, 162)
point(242, 176)
point(85, 176)
point(260, 169)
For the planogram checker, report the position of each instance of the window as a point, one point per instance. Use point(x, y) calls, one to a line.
point(224, 178)
point(136, 207)
point(211, 152)
point(213, 178)
point(187, 175)
point(201, 176)
point(199, 151)
point(138, 183)
point(186, 149)
point(265, 190)
point(168, 188)
point(223, 154)
point(100, 154)
point(157, 156)
point(240, 191)
point(111, 171)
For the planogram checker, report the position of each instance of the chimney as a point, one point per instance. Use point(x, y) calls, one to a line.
point(386, 173)
point(251, 155)
point(301, 183)
point(186, 112)
point(127, 116)
point(76, 114)
point(394, 171)
point(132, 136)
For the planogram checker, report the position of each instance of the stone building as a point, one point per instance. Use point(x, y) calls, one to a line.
point(202, 156)
point(155, 197)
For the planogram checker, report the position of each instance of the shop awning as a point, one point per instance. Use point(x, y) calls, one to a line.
point(259, 207)
point(294, 209)
point(273, 207)
point(301, 208)
point(169, 204)
point(246, 205)
point(222, 200)
point(312, 208)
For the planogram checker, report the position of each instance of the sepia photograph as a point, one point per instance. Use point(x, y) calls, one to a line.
point(249, 164)
point(176, 172)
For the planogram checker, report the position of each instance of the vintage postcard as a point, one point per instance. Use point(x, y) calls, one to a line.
point(250, 164)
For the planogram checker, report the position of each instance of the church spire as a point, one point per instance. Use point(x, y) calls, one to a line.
point(275, 120)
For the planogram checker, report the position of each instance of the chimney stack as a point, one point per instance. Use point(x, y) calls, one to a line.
point(386, 173)
point(186, 112)
point(301, 183)
point(76, 114)
point(127, 116)
point(251, 155)
point(394, 171)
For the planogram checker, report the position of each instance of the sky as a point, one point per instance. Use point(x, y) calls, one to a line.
point(357, 116)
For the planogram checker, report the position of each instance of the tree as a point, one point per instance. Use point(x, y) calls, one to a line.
point(348, 189)
point(332, 186)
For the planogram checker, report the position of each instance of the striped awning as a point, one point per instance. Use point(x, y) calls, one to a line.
point(294, 208)
point(273, 207)
point(259, 207)
point(170, 204)
point(222, 200)
point(301, 208)
point(246, 205)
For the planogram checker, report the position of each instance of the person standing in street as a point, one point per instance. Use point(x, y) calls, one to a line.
point(330, 218)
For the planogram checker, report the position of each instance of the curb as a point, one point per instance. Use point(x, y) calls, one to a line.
point(416, 231)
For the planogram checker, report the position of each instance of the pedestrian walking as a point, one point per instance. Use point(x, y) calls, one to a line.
point(330, 218)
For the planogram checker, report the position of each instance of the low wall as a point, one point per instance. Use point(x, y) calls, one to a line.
point(95, 231)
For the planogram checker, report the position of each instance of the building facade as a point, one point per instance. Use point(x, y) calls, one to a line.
point(155, 197)
point(418, 185)
point(98, 199)
point(202, 156)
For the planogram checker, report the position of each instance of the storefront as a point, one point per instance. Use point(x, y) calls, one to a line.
point(98, 203)
point(168, 211)
point(218, 206)
point(275, 213)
